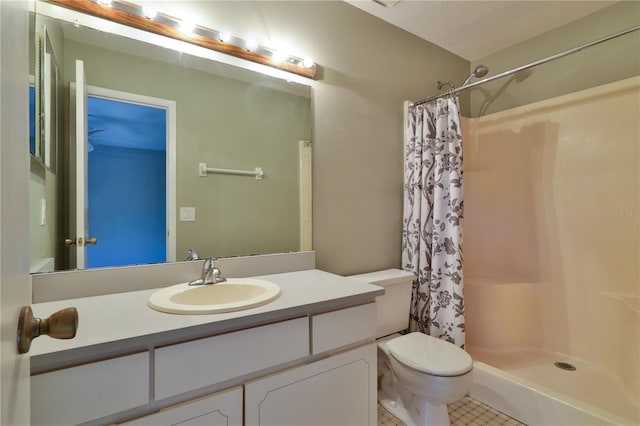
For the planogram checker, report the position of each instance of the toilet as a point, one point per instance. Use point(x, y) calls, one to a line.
point(418, 375)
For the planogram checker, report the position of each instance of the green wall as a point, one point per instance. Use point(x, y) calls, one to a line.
point(604, 63)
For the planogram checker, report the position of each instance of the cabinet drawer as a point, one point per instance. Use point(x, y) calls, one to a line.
point(220, 409)
point(78, 394)
point(340, 328)
point(192, 365)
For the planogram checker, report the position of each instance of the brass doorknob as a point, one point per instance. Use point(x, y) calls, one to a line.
point(81, 241)
point(60, 325)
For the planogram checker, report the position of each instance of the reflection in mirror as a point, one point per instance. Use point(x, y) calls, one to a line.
point(45, 129)
point(47, 101)
point(226, 117)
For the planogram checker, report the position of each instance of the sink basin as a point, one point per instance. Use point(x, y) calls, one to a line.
point(235, 294)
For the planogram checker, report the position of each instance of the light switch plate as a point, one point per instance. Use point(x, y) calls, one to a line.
point(187, 214)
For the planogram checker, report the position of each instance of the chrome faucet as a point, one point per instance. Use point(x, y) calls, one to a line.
point(210, 273)
point(192, 255)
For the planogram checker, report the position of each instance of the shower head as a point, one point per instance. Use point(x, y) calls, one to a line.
point(480, 71)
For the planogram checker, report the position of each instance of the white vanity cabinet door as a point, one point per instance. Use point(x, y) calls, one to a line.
point(90, 391)
point(220, 409)
point(339, 390)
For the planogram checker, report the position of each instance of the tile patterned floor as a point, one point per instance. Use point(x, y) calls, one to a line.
point(466, 412)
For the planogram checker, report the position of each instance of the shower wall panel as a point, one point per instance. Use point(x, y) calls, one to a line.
point(552, 197)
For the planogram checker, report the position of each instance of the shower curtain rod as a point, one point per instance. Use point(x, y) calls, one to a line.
point(524, 67)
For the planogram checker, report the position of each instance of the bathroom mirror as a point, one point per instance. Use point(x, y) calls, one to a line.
point(204, 112)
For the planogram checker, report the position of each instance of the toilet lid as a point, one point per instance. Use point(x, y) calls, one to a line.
point(430, 355)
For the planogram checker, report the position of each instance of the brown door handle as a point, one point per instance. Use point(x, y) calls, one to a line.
point(60, 325)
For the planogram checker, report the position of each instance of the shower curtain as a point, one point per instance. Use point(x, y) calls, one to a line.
point(433, 209)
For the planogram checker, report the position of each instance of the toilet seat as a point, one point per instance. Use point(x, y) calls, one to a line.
point(430, 355)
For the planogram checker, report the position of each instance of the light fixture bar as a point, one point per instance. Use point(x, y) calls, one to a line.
point(138, 17)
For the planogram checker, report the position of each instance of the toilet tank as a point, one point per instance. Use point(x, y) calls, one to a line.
point(393, 307)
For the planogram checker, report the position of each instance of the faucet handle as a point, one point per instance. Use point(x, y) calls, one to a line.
point(211, 262)
point(212, 274)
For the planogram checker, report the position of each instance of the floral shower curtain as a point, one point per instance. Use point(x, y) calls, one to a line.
point(432, 228)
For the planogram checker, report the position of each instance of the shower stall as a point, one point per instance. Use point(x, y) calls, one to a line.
point(552, 240)
point(552, 237)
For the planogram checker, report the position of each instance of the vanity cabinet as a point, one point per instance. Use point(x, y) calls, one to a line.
point(335, 329)
point(187, 366)
point(314, 364)
point(339, 390)
point(220, 409)
point(89, 391)
point(336, 391)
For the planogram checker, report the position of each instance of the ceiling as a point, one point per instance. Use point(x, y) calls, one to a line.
point(125, 125)
point(475, 29)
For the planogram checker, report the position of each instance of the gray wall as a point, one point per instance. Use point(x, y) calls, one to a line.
point(607, 62)
point(368, 69)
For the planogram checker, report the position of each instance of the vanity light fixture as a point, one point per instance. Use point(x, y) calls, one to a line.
point(148, 19)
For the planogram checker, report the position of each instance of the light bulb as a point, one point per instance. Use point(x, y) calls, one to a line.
point(251, 45)
point(307, 62)
point(279, 56)
point(149, 12)
point(224, 36)
point(187, 27)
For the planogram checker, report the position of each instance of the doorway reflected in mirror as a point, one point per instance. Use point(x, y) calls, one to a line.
point(127, 205)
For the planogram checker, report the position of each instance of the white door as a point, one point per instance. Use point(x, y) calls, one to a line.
point(82, 135)
point(15, 286)
point(79, 135)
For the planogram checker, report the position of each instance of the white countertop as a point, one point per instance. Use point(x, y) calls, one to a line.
point(120, 323)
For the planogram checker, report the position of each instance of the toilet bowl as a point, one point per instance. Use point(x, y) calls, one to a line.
point(419, 374)
point(426, 374)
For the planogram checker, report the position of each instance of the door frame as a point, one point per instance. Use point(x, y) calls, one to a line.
point(170, 107)
point(81, 160)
